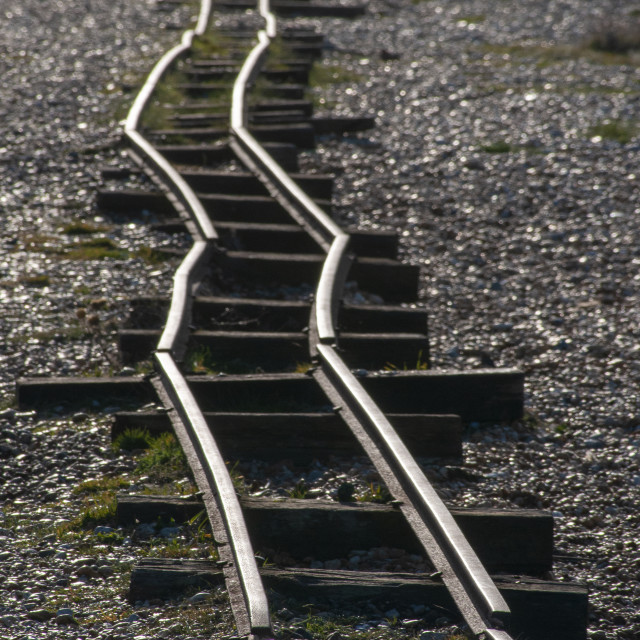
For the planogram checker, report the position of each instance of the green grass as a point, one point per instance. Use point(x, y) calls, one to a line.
point(472, 19)
point(421, 365)
point(96, 249)
point(41, 280)
point(616, 130)
point(375, 493)
point(132, 439)
point(500, 146)
point(300, 491)
point(164, 460)
point(324, 75)
point(152, 256)
point(83, 228)
point(100, 485)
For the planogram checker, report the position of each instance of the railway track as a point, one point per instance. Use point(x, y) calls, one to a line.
point(290, 338)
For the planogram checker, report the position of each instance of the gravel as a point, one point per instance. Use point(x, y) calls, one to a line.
point(488, 159)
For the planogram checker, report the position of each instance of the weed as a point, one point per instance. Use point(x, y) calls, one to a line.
point(375, 493)
point(323, 75)
point(616, 130)
point(98, 508)
point(164, 459)
point(100, 485)
point(36, 281)
point(501, 146)
point(152, 256)
point(210, 44)
point(83, 228)
point(82, 290)
point(131, 439)
point(167, 92)
point(198, 360)
point(473, 19)
point(299, 491)
point(421, 365)
point(237, 478)
point(144, 367)
point(96, 249)
point(303, 367)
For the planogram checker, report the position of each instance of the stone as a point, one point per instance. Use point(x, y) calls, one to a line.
point(202, 596)
point(41, 615)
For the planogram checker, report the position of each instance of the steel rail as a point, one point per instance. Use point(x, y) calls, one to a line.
point(173, 341)
point(477, 597)
point(331, 238)
point(216, 470)
point(175, 332)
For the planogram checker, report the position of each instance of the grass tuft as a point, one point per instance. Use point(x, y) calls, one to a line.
point(164, 459)
point(501, 146)
point(132, 439)
point(616, 130)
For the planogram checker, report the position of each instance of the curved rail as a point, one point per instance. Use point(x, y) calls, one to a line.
point(331, 238)
point(476, 595)
point(172, 343)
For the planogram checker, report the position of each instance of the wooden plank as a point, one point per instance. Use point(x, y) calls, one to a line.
point(384, 350)
point(71, 393)
point(541, 610)
point(507, 541)
point(237, 183)
point(481, 395)
point(392, 280)
point(253, 236)
point(269, 392)
point(304, 437)
point(209, 155)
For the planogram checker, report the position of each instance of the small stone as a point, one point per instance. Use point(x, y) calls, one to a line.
point(41, 615)
point(392, 613)
point(103, 530)
point(8, 414)
point(433, 635)
point(47, 553)
point(411, 623)
point(8, 621)
point(87, 571)
point(285, 614)
point(202, 596)
point(169, 532)
point(65, 616)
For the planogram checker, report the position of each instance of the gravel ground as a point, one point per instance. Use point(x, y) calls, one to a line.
point(489, 159)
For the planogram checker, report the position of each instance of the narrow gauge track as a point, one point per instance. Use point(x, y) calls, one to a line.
point(257, 229)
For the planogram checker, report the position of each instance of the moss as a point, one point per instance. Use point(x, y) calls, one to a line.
point(83, 228)
point(41, 280)
point(500, 146)
point(324, 75)
point(616, 130)
point(96, 249)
